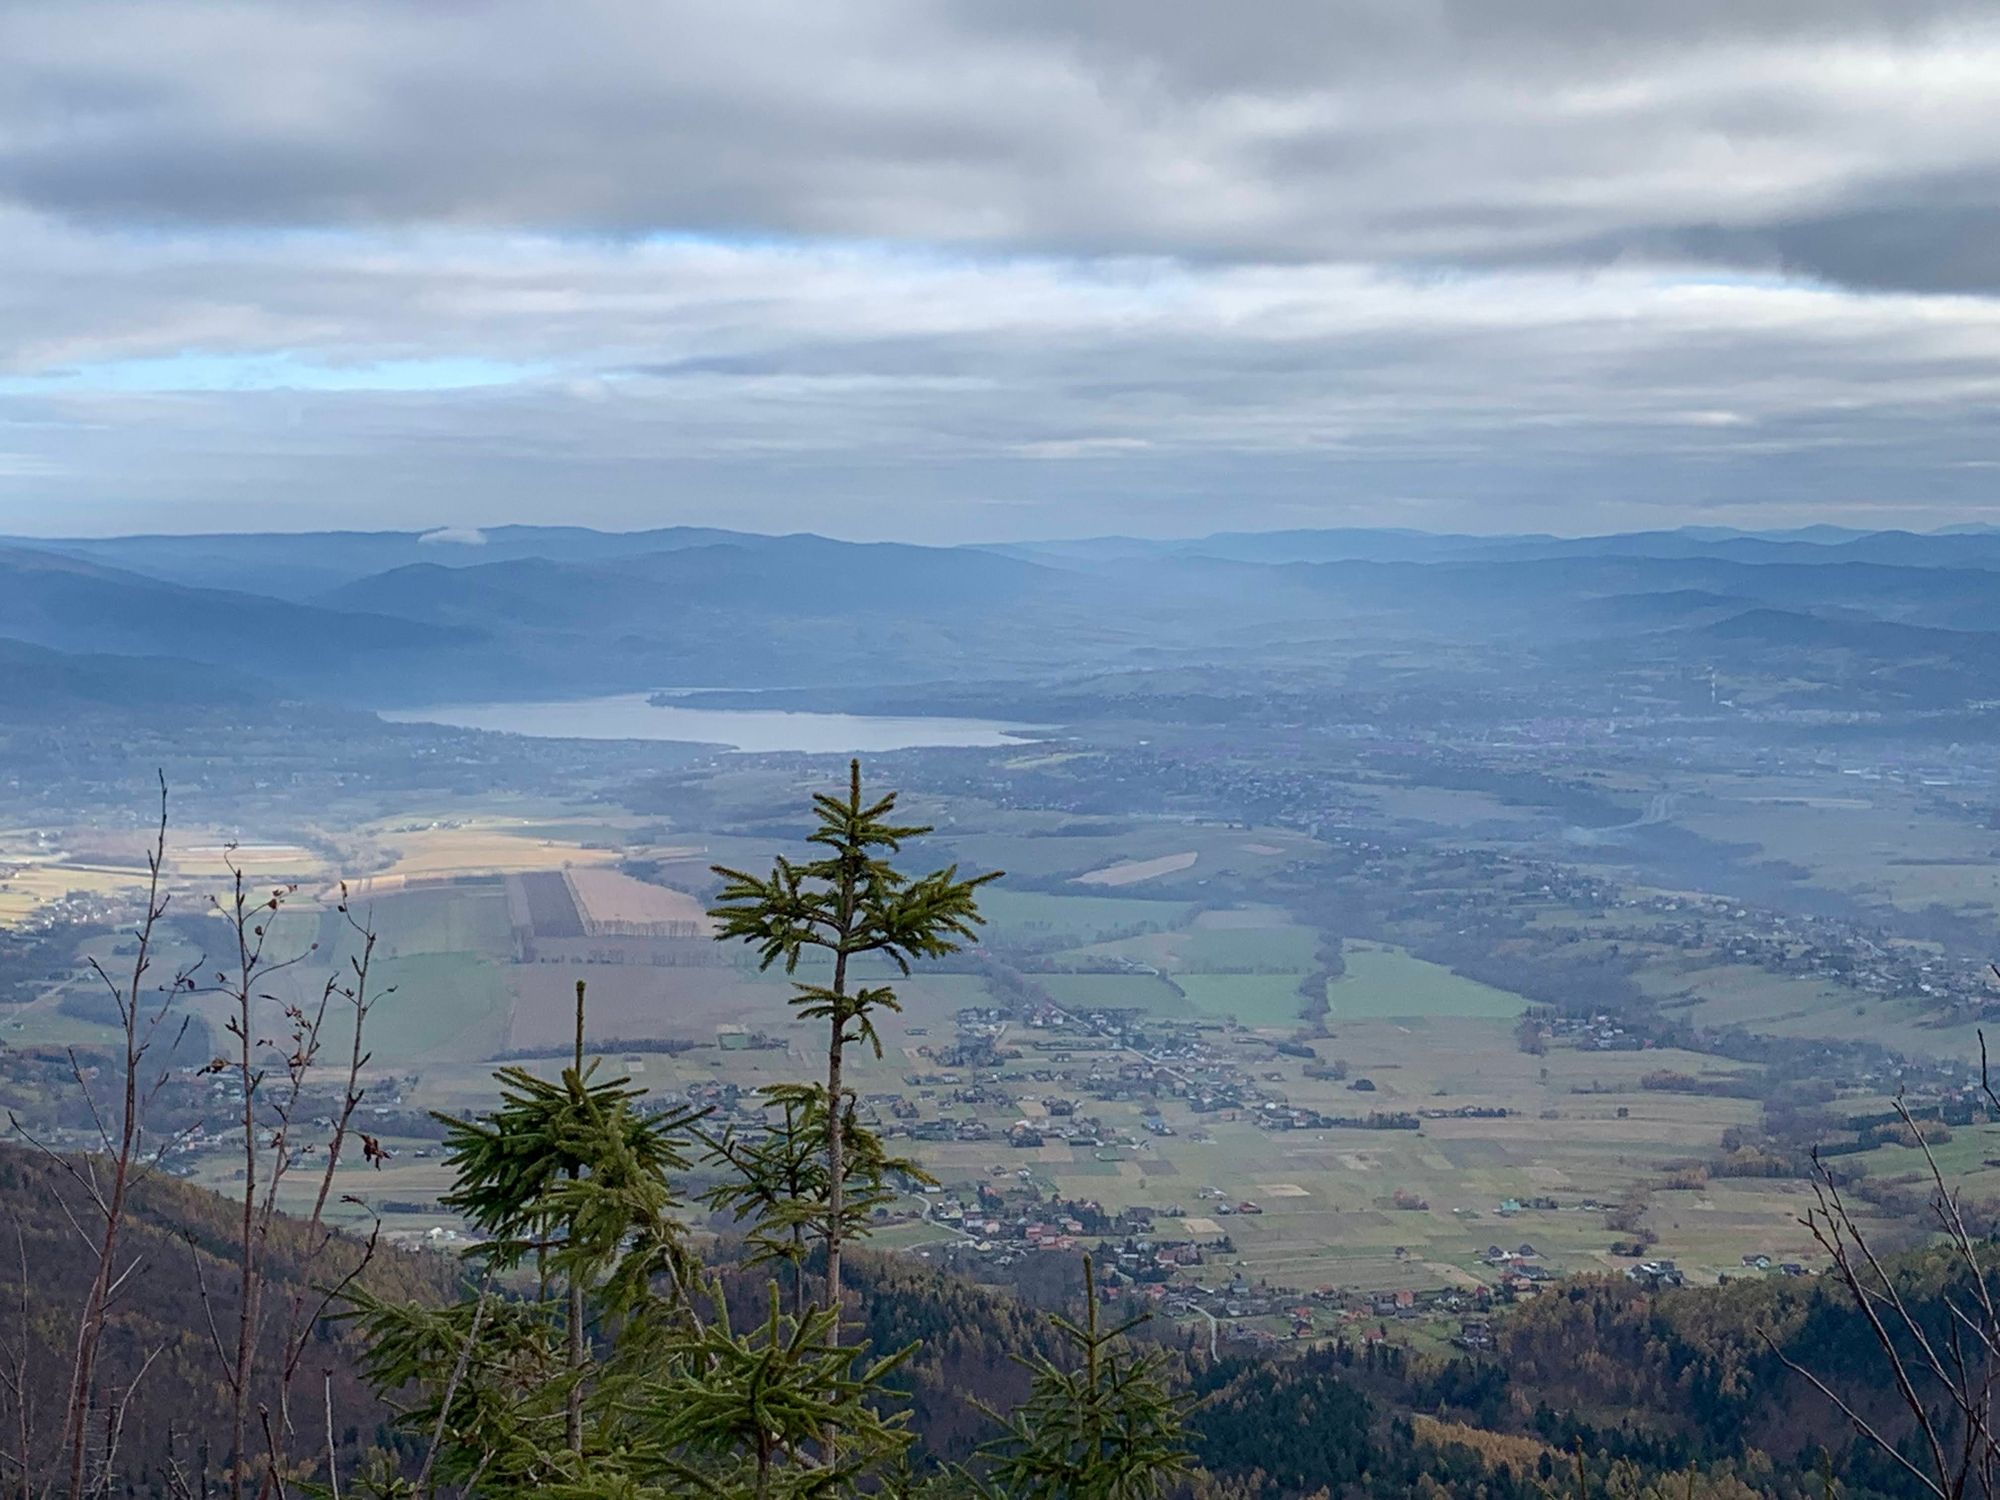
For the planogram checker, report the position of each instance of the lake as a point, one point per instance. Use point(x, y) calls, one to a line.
point(628, 716)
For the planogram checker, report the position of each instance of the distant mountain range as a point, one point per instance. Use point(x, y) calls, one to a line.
point(395, 618)
point(303, 565)
point(299, 565)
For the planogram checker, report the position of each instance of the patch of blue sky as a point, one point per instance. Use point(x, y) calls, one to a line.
point(1753, 280)
point(201, 372)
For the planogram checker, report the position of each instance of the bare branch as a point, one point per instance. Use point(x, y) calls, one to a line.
point(1860, 1423)
point(458, 1369)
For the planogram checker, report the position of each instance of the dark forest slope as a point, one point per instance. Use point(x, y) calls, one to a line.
point(183, 1242)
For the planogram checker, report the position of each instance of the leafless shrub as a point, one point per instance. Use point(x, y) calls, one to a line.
point(1944, 1377)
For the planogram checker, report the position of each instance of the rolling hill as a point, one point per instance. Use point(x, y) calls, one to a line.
point(389, 619)
point(65, 604)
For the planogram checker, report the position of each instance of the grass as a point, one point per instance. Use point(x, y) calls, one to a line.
point(1878, 840)
point(1801, 1006)
point(1963, 1160)
point(1382, 981)
point(42, 1023)
point(1252, 999)
point(448, 919)
point(1219, 849)
point(1425, 1036)
point(1030, 915)
point(445, 1004)
point(1240, 918)
point(1343, 1229)
point(1290, 950)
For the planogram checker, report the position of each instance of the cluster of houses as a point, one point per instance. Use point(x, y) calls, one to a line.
point(72, 908)
point(1004, 1222)
point(1655, 1273)
point(1760, 1262)
point(1519, 1272)
point(1238, 1307)
point(1596, 1032)
point(1838, 950)
point(1274, 1115)
point(1176, 1061)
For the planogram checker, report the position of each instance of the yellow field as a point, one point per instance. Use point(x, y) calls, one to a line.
point(609, 896)
point(28, 888)
point(1131, 872)
point(481, 848)
point(208, 855)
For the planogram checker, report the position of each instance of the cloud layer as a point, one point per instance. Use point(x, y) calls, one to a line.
point(977, 270)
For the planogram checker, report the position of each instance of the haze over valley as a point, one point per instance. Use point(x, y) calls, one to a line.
point(1670, 846)
point(942, 751)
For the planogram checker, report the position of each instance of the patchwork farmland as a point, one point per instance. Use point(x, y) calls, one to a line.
point(1148, 1024)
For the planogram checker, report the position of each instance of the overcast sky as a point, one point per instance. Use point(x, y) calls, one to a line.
point(1027, 268)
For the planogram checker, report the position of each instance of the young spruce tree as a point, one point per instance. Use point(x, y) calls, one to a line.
point(597, 1360)
point(849, 903)
point(1105, 1428)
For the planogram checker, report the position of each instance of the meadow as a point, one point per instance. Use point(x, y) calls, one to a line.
point(1248, 999)
point(1385, 981)
point(1581, 1131)
point(1032, 917)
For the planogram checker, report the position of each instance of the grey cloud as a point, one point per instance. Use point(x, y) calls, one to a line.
point(1807, 134)
point(365, 460)
point(881, 394)
point(1932, 235)
point(962, 270)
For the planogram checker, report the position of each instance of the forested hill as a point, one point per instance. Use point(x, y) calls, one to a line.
point(1671, 1393)
point(161, 1369)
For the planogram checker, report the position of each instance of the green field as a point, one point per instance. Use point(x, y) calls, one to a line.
point(1039, 856)
point(1115, 992)
point(1387, 982)
point(1030, 916)
point(1033, 846)
point(1874, 840)
point(1252, 999)
point(1786, 1005)
point(441, 919)
point(1285, 949)
point(444, 1005)
point(1965, 1160)
point(1292, 949)
point(42, 1023)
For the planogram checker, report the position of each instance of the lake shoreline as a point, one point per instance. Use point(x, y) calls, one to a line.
point(642, 716)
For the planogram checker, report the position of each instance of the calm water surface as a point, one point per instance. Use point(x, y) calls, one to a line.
point(628, 716)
